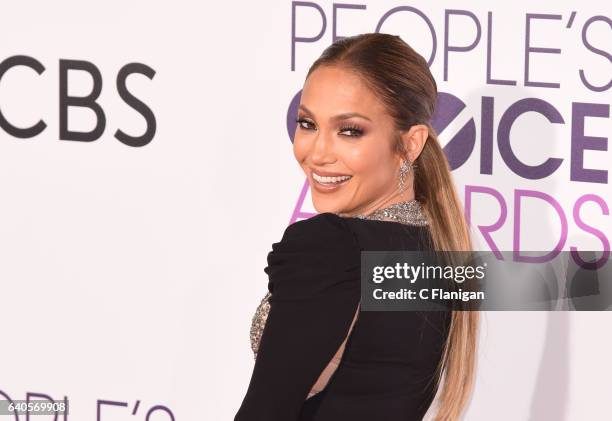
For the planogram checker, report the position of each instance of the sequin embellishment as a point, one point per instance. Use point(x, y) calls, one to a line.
point(259, 322)
point(409, 212)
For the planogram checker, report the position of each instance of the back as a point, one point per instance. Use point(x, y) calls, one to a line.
point(388, 367)
point(387, 371)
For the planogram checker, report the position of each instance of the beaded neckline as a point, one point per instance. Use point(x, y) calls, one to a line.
point(408, 212)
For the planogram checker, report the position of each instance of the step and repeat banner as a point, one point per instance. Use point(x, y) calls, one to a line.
point(146, 168)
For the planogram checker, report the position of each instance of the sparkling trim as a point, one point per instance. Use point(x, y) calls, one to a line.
point(259, 322)
point(409, 212)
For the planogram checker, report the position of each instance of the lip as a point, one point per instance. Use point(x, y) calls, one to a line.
point(323, 188)
point(326, 173)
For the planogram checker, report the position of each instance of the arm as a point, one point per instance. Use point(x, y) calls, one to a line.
point(314, 279)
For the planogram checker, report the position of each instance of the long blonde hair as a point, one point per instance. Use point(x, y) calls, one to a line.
point(401, 78)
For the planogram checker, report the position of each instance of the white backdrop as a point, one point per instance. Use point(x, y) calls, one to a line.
point(130, 273)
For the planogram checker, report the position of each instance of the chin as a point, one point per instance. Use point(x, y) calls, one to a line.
point(327, 204)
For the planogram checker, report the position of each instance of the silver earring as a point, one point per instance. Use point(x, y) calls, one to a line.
point(404, 170)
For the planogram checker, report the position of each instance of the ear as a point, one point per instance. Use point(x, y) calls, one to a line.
point(414, 140)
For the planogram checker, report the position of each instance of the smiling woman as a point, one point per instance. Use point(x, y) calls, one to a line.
point(358, 145)
point(380, 181)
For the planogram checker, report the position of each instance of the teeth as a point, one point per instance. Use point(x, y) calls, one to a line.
point(337, 179)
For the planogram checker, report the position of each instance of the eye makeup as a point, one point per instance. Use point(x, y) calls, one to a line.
point(355, 129)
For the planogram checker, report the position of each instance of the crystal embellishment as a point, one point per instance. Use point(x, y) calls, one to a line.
point(259, 322)
point(409, 212)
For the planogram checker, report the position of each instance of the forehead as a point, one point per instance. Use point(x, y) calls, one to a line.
point(330, 90)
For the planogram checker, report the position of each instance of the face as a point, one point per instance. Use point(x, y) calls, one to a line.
point(344, 142)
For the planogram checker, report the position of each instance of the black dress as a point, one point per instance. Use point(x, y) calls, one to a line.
point(387, 370)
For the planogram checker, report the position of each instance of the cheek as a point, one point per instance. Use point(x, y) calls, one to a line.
point(300, 149)
point(372, 165)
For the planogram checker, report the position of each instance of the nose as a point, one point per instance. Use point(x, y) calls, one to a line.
point(322, 150)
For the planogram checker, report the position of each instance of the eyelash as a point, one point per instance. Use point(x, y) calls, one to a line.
point(352, 127)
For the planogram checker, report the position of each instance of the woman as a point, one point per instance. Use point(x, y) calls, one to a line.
point(380, 181)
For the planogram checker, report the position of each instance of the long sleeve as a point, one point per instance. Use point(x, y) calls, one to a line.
point(314, 280)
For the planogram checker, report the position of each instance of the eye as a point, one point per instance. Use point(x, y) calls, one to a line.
point(355, 130)
point(303, 123)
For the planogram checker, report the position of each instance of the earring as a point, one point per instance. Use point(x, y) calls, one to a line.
point(404, 170)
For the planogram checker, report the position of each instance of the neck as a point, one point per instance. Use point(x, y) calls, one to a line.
point(381, 203)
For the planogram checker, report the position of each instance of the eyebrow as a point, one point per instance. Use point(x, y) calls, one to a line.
point(338, 117)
